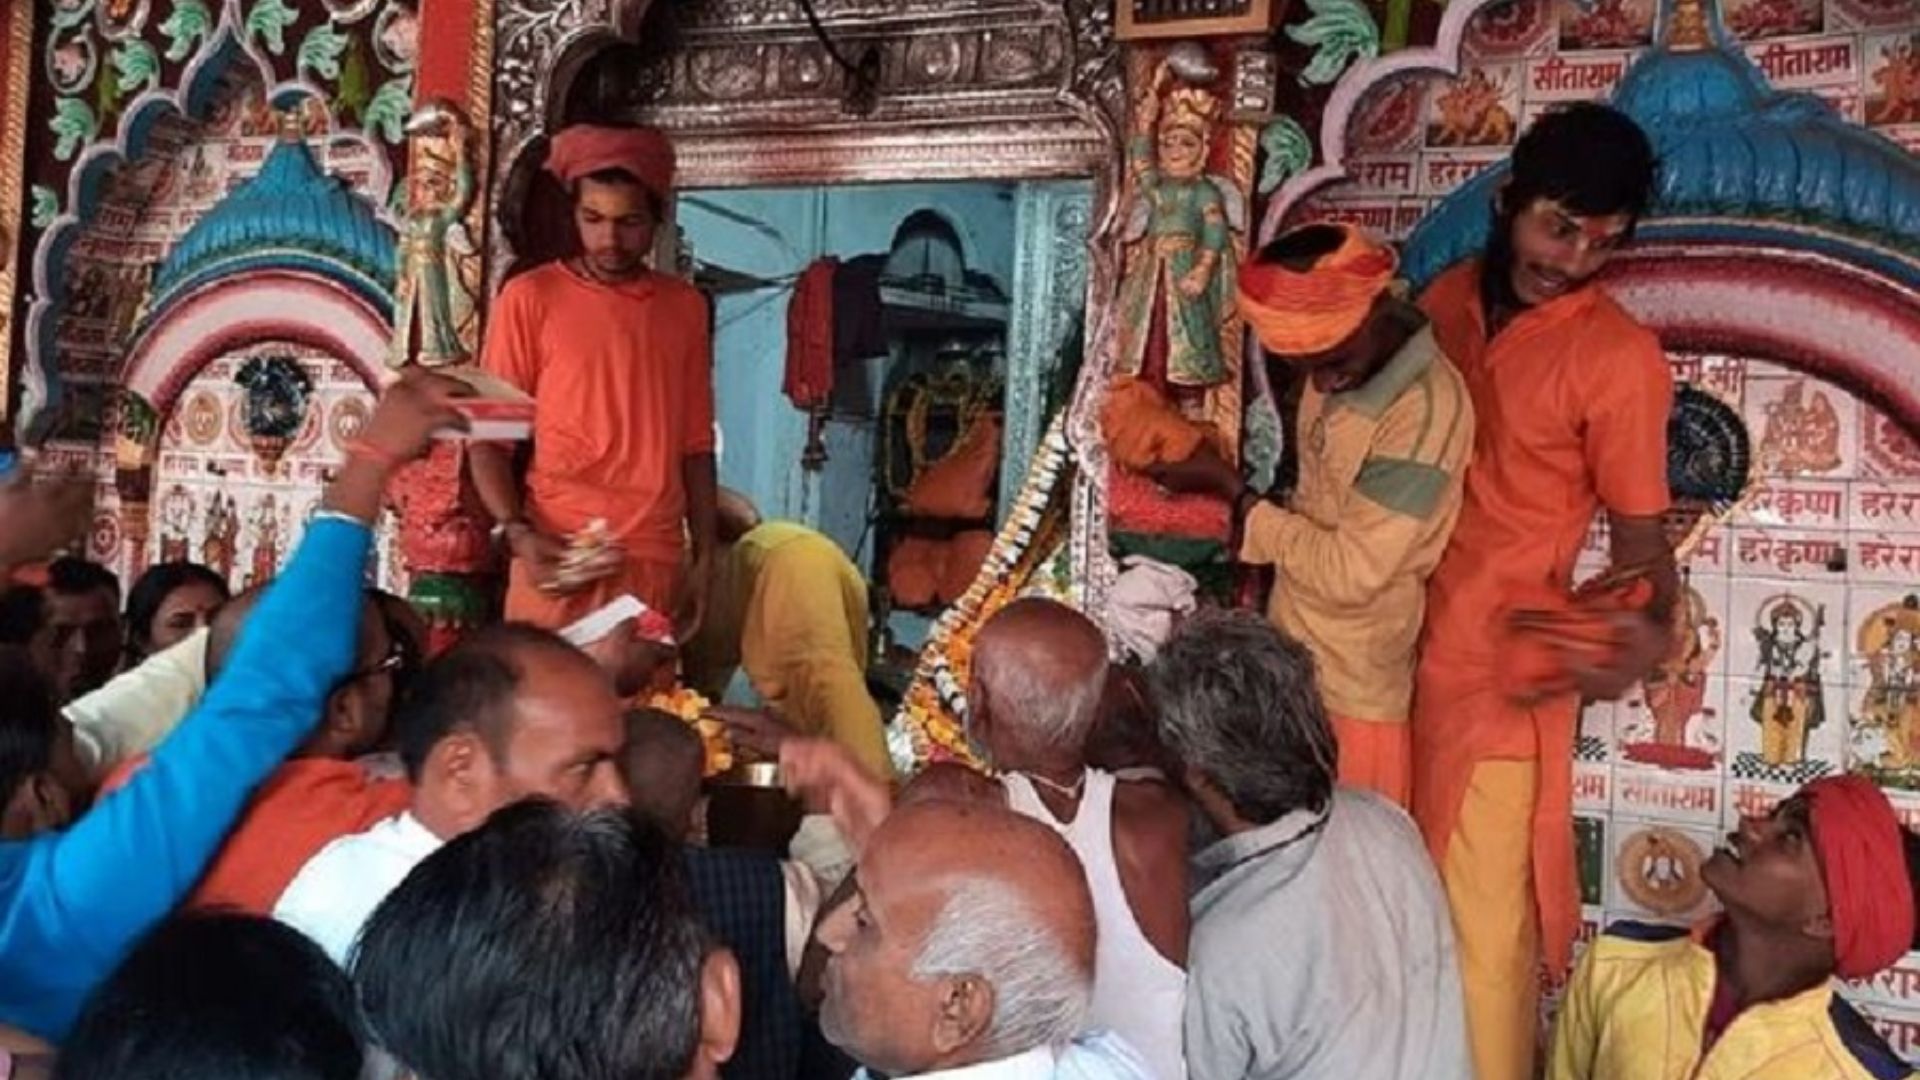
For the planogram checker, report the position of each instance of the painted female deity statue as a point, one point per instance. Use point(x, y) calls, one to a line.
point(1178, 290)
point(433, 300)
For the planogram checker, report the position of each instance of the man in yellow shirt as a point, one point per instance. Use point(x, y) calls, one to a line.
point(788, 606)
point(1822, 887)
point(1384, 432)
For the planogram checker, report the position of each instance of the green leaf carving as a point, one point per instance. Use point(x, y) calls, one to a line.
point(1288, 151)
point(1339, 32)
point(269, 20)
point(354, 90)
point(46, 206)
point(137, 64)
point(320, 51)
point(187, 26)
point(73, 122)
point(387, 112)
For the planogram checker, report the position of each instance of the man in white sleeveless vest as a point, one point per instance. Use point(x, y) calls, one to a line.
point(1039, 669)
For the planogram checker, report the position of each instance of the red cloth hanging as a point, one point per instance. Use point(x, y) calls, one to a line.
point(809, 378)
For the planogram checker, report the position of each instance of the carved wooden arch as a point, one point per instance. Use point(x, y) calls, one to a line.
point(995, 89)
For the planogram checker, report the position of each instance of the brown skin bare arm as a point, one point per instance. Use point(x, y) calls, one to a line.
point(1643, 637)
point(1150, 830)
point(491, 466)
point(699, 476)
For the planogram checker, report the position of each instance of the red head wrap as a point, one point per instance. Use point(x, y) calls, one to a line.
point(1858, 842)
point(1302, 312)
point(642, 152)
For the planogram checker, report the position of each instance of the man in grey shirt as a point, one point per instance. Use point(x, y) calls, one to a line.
point(1321, 944)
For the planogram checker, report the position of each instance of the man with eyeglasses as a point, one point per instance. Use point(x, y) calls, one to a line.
point(320, 794)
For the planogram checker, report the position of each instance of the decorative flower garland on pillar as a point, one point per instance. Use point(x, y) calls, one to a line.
point(931, 724)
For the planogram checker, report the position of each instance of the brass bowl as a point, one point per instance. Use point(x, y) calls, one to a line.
point(750, 774)
point(747, 807)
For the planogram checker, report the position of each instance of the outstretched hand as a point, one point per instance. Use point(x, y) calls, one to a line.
point(38, 519)
point(824, 776)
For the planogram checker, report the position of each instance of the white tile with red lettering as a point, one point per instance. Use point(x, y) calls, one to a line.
point(1655, 871)
point(1807, 63)
point(1750, 798)
point(1796, 503)
point(1711, 557)
point(1884, 506)
point(1878, 558)
point(1818, 557)
point(1444, 171)
point(1725, 377)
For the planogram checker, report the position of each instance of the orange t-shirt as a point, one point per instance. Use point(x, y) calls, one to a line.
point(622, 381)
point(306, 804)
point(1571, 400)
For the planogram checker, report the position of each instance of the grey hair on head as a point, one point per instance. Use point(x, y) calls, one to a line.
point(1237, 701)
point(1046, 712)
point(1040, 994)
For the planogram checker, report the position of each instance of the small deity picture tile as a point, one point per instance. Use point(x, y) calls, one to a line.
point(1802, 427)
point(1655, 871)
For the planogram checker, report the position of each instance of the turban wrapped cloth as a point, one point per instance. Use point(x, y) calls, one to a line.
point(1302, 312)
point(641, 152)
point(1858, 842)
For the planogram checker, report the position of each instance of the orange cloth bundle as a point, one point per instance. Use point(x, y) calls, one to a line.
point(1142, 428)
point(960, 484)
point(1547, 633)
point(642, 152)
point(1299, 313)
point(922, 571)
point(965, 553)
point(913, 571)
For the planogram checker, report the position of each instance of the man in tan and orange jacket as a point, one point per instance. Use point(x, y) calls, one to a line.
point(1384, 433)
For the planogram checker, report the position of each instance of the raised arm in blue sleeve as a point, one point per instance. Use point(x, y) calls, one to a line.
point(73, 902)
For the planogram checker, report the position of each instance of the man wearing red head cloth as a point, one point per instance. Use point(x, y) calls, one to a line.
point(1385, 429)
point(618, 359)
point(1822, 887)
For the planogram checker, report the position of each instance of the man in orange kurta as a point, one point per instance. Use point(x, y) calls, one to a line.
point(1572, 397)
point(618, 359)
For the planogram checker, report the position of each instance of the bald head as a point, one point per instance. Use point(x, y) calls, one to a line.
point(970, 939)
point(1039, 668)
point(948, 846)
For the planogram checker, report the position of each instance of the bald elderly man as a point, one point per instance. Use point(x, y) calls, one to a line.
point(967, 946)
point(1038, 676)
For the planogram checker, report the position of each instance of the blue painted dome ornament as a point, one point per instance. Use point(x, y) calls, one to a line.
point(277, 394)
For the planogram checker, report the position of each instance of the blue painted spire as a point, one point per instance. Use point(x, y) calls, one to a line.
point(291, 214)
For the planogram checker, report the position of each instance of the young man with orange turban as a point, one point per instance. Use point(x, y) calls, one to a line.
point(618, 359)
point(1385, 428)
point(1572, 397)
point(1821, 888)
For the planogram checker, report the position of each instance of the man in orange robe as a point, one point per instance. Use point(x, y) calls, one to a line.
point(618, 359)
point(1572, 397)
